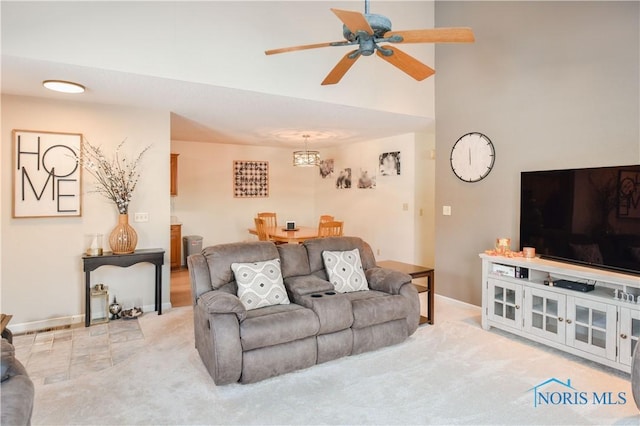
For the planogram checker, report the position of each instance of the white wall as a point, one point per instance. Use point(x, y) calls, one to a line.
point(554, 85)
point(222, 43)
point(425, 187)
point(42, 279)
point(376, 215)
point(205, 204)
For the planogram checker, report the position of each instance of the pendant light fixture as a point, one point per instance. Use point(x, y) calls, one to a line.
point(306, 158)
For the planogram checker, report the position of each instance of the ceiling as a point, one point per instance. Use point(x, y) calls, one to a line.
point(207, 112)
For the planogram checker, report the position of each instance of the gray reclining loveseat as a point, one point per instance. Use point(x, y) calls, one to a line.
point(317, 324)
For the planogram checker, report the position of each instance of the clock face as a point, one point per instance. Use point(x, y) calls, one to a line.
point(472, 157)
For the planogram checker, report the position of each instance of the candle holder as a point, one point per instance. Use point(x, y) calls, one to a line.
point(115, 308)
point(503, 245)
point(93, 243)
point(99, 304)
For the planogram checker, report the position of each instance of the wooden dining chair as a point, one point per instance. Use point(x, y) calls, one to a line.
point(270, 220)
point(261, 229)
point(330, 229)
point(324, 218)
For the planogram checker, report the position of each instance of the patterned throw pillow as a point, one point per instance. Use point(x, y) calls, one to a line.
point(260, 284)
point(344, 269)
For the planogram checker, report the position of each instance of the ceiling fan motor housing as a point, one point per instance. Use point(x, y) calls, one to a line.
point(379, 24)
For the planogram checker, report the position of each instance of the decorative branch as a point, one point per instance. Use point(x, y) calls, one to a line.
point(116, 178)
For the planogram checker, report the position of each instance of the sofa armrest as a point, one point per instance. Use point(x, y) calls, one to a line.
point(199, 275)
point(386, 280)
point(220, 302)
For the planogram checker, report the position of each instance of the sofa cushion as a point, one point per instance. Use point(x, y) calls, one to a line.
point(294, 260)
point(316, 246)
point(260, 284)
point(375, 307)
point(277, 324)
point(220, 257)
point(344, 269)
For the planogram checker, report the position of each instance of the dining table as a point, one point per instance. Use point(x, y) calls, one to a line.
point(282, 235)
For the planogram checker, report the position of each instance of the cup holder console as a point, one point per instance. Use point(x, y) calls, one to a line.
point(327, 293)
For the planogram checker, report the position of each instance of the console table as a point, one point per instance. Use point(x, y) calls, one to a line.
point(417, 271)
point(90, 263)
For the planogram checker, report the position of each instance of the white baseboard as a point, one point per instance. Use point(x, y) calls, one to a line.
point(27, 327)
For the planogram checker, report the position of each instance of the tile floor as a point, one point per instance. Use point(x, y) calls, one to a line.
point(60, 355)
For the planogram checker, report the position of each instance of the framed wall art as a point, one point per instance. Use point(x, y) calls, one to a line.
point(343, 181)
point(47, 178)
point(389, 164)
point(250, 179)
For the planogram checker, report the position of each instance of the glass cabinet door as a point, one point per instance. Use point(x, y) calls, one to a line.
point(504, 302)
point(591, 327)
point(544, 314)
point(629, 334)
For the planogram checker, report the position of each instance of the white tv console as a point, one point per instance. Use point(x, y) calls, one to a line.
point(594, 325)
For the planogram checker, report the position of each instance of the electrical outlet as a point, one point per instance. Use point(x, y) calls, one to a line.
point(405, 207)
point(446, 210)
point(141, 217)
point(378, 252)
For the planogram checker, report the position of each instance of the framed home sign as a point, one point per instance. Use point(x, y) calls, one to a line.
point(47, 178)
point(250, 179)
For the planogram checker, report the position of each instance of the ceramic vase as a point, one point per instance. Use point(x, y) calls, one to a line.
point(123, 238)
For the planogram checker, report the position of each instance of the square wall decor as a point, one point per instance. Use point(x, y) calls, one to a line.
point(46, 174)
point(250, 179)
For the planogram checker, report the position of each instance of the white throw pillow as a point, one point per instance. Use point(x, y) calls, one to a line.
point(344, 269)
point(260, 284)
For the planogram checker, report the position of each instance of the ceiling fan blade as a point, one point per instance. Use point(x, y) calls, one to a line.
point(340, 69)
point(302, 47)
point(435, 35)
point(355, 21)
point(406, 63)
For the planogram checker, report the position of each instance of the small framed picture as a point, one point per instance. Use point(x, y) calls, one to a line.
point(389, 164)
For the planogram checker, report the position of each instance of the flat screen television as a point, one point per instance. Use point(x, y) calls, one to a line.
point(589, 216)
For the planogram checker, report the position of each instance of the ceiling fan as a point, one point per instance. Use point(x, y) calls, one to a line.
point(368, 30)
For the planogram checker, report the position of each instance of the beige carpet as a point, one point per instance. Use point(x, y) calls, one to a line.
point(449, 373)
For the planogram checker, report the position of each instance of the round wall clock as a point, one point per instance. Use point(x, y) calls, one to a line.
point(472, 157)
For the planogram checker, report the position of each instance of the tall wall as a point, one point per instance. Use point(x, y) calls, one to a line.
point(41, 273)
point(554, 85)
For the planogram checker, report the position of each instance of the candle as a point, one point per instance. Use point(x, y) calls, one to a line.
point(503, 245)
point(529, 252)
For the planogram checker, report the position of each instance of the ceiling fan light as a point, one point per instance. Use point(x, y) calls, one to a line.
point(306, 158)
point(63, 86)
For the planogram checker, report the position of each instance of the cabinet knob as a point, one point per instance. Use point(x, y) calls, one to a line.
point(623, 336)
point(560, 319)
point(568, 321)
point(517, 306)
